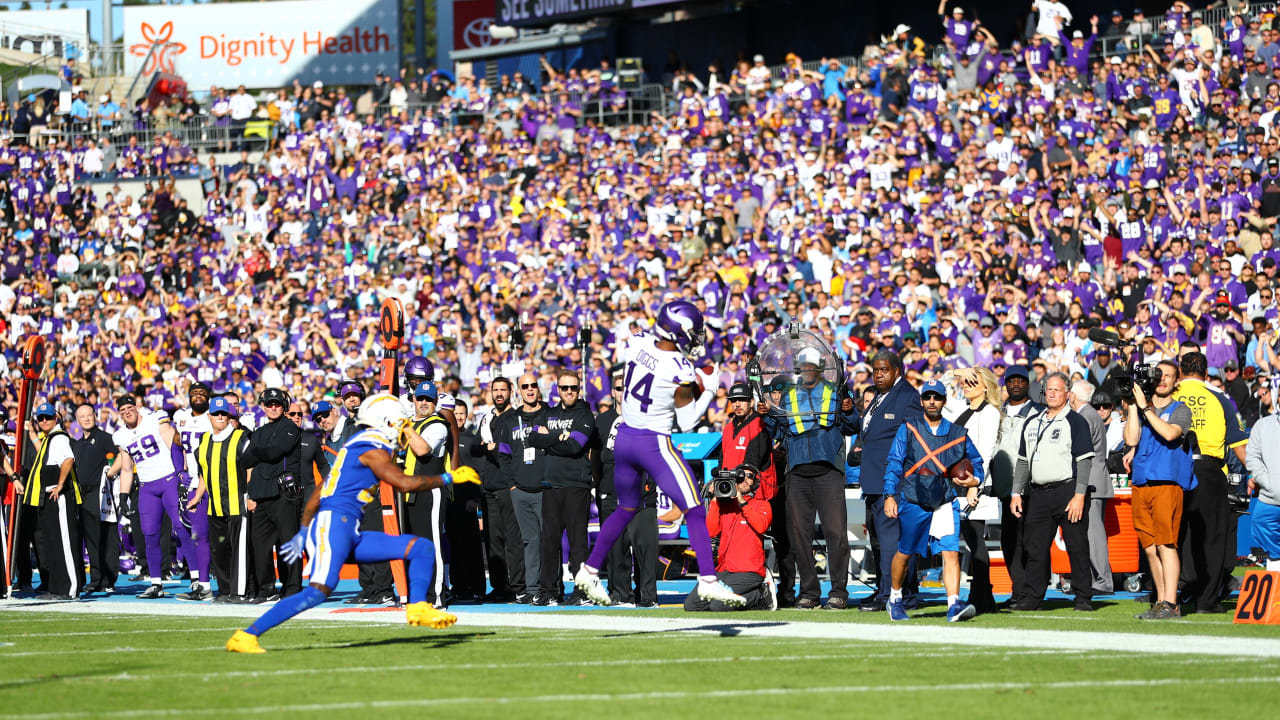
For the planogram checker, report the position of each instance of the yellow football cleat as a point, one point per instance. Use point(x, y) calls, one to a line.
point(426, 614)
point(243, 642)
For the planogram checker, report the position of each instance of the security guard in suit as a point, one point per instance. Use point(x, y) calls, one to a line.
point(94, 453)
point(53, 491)
point(224, 476)
point(895, 402)
point(275, 494)
point(424, 513)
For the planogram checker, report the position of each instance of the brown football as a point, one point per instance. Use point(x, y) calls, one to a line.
point(961, 473)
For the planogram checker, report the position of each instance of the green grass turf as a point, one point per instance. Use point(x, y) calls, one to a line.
point(62, 665)
point(1111, 616)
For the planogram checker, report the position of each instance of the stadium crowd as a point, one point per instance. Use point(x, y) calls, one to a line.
point(964, 213)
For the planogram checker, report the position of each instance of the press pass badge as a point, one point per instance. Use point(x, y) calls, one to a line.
point(528, 456)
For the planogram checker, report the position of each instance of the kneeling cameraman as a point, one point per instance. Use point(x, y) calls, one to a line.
point(739, 520)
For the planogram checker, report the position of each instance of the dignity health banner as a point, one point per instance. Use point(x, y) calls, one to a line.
point(266, 44)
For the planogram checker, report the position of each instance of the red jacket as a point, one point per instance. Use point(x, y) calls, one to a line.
point(749, 442)
point(739, 528)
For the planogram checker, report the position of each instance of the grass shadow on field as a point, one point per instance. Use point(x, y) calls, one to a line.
point(724, 629)
point(432, 642)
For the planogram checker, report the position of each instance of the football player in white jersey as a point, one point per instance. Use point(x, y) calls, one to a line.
point(152, 452)
point(661, 389)
point(192, 423)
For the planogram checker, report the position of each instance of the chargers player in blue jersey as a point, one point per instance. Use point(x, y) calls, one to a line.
point(331, 523)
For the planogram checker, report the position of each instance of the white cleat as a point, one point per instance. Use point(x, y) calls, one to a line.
point(717, 590)
point(591, 586)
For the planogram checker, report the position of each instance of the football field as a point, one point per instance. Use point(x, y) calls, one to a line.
point(128, 658)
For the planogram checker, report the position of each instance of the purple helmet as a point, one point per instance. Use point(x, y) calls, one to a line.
point(418, 370)
point(351, 387)
point(681, 323)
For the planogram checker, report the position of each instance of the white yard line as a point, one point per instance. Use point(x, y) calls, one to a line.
point(649, 696)
point(625, 627)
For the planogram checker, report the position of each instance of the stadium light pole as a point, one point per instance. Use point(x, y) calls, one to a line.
point(420, 33)
point(108, 37)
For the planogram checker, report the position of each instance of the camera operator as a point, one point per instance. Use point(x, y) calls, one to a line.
point(1263, 462)
point(1160, 463)
point(1208, 537)
point(739, 522)
point(746, 442)
point(275, 494)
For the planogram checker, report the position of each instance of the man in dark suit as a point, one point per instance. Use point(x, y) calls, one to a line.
point(895, 402)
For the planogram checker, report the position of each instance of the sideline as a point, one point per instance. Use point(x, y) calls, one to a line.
point(661, 627)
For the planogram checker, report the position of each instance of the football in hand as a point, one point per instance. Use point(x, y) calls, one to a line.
point(961, 473)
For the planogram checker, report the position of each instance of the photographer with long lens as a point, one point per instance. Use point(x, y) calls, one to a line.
point(739, 519)
point(275, 495)
point(1155, 427)
point(1208, 539)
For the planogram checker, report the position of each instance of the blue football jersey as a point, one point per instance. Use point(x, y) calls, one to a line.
point(350, 483)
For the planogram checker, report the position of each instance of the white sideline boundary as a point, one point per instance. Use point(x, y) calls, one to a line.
point(662, 627)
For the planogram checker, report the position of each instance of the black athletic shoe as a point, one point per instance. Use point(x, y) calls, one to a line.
point(837, 603)
point(54, 597)
point(198, 593)
point(152, 592)
point(360, 599)
point(386, 599)
point(500, 596)
point(1025, 606)
point(807, 604)
point(523, 599)
point(577, 599)
point(545, 601)
point(869, 604)
point(1084, 606)
point(651, 605)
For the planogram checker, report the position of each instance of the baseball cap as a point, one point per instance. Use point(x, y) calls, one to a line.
point(199, 386)
point(808, 356)
point(1016, 371)
point(933, 386)
point(125, 399)
point(321, 408)
point(758, 58)
point(1222, 299)
point(1077, 35)
point(1231, 365)
point(740, 391)
point(987, 322)
point(350, 388)
point(426, 389)
point(1178, 268)
point(46, 410)
point(220, 406)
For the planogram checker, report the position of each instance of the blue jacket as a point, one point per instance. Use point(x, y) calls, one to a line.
point(906, 452)
point(817, 432)
point(901, 403)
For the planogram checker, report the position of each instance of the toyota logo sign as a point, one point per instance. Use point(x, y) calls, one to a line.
point(476, 34)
